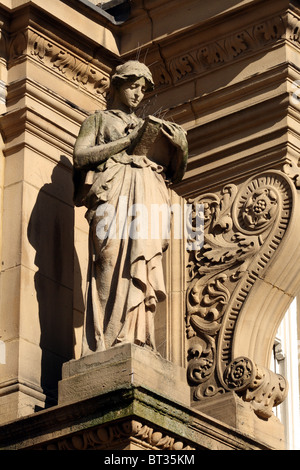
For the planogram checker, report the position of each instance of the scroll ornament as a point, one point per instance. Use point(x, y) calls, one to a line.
point(212, 54)
point(243, 227)
point(255, 384)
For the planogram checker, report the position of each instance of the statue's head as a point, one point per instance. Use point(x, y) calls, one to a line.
point(129, 84)
point(131, 70)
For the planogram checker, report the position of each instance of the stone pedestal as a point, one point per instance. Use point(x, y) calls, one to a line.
point(125, 398)
point(122, 367)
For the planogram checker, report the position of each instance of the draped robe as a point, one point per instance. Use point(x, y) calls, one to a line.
point(125, 278)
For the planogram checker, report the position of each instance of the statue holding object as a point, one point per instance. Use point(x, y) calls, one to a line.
point(122, 165)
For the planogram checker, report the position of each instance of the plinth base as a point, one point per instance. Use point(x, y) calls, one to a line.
point(122, 367)
point(125, 398)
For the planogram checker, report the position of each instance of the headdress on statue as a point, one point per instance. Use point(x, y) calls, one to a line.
point(132, 69)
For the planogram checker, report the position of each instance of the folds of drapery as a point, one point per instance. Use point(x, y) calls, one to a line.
point(126, 274)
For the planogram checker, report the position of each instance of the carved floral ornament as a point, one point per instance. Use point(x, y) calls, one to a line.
point(229, 48)
point(87, 74)
point(83, 73)
point(106, 436)
point(243, 227)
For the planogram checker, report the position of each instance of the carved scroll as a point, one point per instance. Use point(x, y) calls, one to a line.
point(81, 72)
point(244, 227)
point(261, 387)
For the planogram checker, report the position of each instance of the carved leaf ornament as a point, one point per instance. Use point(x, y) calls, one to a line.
point(107, 436)
point(85, 73)
point(217, 52)
point(243, 227)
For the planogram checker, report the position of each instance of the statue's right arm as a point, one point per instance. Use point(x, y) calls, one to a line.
point(87, 155)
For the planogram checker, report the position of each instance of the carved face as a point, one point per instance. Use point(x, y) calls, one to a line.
point(131, 92)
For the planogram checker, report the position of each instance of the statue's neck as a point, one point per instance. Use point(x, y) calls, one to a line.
point(119, 106)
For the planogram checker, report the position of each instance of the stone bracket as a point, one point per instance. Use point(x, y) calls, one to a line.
point(240, 284)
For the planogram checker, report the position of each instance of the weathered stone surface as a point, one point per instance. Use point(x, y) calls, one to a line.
point(123, 420)
point(123, 366)
point(122, 165)
point(233, 410)
point(227, 73)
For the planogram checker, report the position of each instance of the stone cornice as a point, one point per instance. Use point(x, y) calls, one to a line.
point(62, 426)
point(94, 25)
point(148, 20)
point(174, 61)
point(188, 56)
point(243, 145)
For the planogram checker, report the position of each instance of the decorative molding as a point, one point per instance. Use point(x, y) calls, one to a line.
point(260, 386)
point(87, 74)
point(83, 73)
point(109, 437)
point(293, 171)
point(168, 72)
point(215, 53)
point(2, 92)
point(243, 227)
point(293, 28)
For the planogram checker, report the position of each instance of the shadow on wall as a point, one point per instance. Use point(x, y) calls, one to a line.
point(51, 233)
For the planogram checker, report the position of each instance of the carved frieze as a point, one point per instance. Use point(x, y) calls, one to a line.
point(110, 436)
point(82, 72)
point(199, 60)
point(215, 53)
point(243, 227)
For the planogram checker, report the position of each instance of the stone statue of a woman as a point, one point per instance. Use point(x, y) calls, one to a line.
point(121, 166)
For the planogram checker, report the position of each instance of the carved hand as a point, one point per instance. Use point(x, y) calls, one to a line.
point(175, 133)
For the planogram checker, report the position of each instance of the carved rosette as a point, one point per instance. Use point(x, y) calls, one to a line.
point(243, 229)
point(261, 387)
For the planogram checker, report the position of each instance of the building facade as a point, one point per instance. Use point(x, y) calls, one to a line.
point(228, 73)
